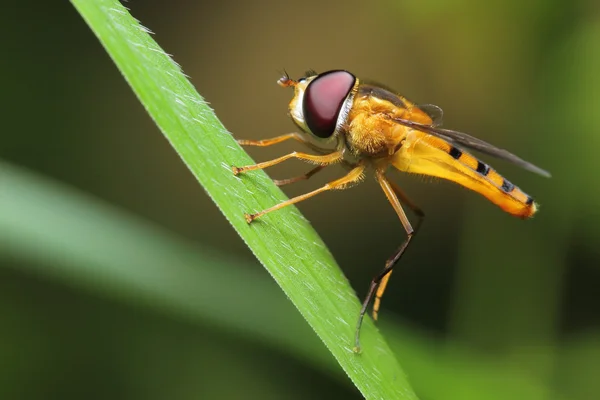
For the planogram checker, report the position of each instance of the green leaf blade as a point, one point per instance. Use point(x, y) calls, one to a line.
point(283, 242)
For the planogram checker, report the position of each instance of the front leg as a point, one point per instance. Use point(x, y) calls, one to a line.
point(326, 159)
point(282, 138)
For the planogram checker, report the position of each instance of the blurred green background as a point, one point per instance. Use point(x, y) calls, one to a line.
point(486, 305)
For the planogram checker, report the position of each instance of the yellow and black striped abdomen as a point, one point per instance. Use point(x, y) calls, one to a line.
point(430, 155)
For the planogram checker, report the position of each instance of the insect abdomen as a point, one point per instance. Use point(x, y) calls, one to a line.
point(429, 155)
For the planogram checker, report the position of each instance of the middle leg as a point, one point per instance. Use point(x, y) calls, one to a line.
point(355, 175)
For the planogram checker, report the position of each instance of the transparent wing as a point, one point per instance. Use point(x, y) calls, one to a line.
point(462, 139)
point(435, 113)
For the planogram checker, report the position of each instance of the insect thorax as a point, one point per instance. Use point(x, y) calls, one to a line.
point(371, 134)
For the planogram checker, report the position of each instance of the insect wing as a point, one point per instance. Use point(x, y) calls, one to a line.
point(435, 113)
point(463, 139)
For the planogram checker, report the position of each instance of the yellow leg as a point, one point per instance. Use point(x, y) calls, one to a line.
point(379, 294)
point(420, 214)
point(391, 192)
point(278, 139)
point(380, 281)
point(282, 182)
point(353, 176)
point(411, 204)
point(393, 199)
point(322, 160)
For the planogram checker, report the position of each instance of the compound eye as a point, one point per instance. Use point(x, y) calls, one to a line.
point(323, 101)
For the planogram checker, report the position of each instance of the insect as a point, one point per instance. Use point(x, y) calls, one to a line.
point(382, 129)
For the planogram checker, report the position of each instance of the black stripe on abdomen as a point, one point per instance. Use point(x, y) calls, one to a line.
point(482, 168)
point(455, 153)
point(507, 186)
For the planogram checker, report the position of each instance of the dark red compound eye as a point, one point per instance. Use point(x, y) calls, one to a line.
point(323, 101)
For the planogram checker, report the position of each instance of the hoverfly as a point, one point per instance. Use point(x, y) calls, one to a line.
point(382, 129)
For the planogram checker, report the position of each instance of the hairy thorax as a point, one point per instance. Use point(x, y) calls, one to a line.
point(370, 132)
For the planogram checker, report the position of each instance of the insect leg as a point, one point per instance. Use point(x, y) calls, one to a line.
point(281, 182)
point(391, 262)
point(411, 204)
point(278, 139)
point(420, 215)
point(344, 182)
point(320, 159)
point(298, 137)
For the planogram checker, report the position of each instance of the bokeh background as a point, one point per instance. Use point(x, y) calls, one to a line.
point(485, 303)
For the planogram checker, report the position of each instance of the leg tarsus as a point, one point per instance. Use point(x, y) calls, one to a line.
point(389, 265)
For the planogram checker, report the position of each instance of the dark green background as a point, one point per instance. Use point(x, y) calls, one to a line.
point(523, 295)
